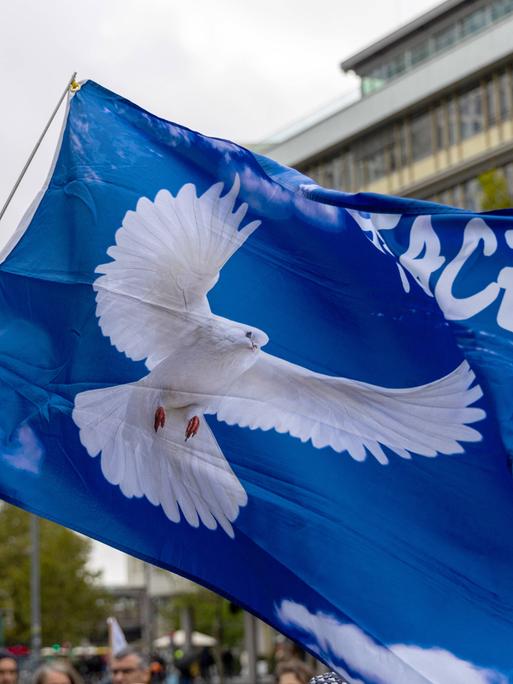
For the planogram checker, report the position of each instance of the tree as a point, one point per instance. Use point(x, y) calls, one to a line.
point(72, 602)
point(494, 191)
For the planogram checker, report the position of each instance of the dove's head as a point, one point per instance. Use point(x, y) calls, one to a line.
point(254, 338)
point(245, 337)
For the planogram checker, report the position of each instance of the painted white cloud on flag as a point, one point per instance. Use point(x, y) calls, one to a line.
point(334, 642)
point(23, 452)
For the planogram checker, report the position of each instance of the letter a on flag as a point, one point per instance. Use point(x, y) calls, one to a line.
point(297, 397)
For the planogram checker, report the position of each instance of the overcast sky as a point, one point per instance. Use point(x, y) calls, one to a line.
point(231, 68)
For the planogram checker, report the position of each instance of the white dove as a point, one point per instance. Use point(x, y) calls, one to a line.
point(152, 304)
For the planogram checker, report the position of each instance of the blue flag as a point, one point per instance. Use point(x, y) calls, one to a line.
point(297, 397)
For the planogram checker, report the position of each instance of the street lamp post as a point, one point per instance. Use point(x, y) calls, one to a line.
point(250, 627)
point(35, 587)
point(147, 617)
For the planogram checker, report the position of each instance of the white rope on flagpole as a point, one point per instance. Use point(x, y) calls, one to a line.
point(71, 86)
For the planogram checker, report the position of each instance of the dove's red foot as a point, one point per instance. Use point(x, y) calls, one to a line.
point(192, 427)
point(160, 418)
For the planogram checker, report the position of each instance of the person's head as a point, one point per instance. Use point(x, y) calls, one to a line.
point(8, 668)
point(129, 667)
point(157, 669)
point(293, 672)
point(56, 672)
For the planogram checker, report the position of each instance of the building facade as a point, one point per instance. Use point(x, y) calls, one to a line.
point(159, 583)
point(435, 111)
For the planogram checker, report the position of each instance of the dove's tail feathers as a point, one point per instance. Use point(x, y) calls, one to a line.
point(96, 412)
point(102, 417)
point(191, 478)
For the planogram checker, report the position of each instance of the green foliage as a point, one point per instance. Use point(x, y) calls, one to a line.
point(72, 603)
point(212, 615)
point(494, 191)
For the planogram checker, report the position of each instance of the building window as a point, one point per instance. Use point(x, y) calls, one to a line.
point(328, 176)
point(395, 158)
point(452, 116)
point(420, 52)
point(447, 197)
point(373, 82)
point(421, 136)
point(504, 96)
point(446, 38)
point(348, 180)
point(472, 195)
point(459, 198)
point(360, 177)
point(471, 113)
point(440, 129)
point(501, 8)
point(376, 167)
point(396, 66)
point(508, 172)
point(313, 172)
point(338, 172)
point(476, 21)
point(491, 102)
point(371, 156)
point(404, 145)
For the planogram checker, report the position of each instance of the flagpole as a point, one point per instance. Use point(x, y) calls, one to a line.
point(72, 85)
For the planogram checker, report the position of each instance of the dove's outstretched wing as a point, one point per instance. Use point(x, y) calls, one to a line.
point(192, 479)
point(151, 299)
point(167, 256)
point(353, 416)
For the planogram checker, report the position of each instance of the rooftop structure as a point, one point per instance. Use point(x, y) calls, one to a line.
point(435, 112)
point(431, 34)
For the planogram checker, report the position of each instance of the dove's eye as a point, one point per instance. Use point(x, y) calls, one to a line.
point(249, 333)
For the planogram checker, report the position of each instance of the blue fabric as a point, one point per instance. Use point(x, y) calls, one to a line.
point(400, 572)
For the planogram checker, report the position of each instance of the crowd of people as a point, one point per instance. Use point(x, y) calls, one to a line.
point(128, 667)
point(131, 667)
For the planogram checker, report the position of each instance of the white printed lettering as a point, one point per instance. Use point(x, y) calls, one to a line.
point(423, 241)
point(461, 308)
point(505, 313)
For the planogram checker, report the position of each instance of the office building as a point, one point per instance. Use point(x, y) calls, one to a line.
point(435, 111)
